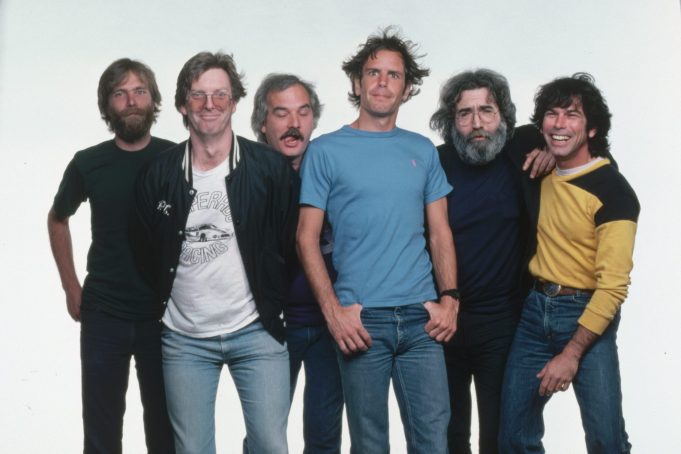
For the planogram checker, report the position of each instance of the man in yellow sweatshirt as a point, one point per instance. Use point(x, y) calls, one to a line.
point(585, 238)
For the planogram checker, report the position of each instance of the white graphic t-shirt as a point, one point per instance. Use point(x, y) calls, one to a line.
point(210, 294)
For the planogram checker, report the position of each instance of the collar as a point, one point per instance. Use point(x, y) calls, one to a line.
point(232, 160)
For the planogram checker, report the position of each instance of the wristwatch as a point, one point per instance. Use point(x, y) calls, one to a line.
point(454, 293)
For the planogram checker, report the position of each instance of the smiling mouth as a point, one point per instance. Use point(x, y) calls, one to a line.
point(559, 138)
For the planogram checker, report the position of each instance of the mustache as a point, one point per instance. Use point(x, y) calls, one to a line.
point(133, 111)
point(294, 133)
point(476, 134)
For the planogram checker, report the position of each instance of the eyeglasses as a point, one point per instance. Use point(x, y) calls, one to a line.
point(486, 114)
point(197, 99)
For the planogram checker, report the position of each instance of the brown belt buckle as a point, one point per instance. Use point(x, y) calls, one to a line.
point(551, 289)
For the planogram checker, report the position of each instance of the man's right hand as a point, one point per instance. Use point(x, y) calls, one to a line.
point(346, 328)
point(73, 300)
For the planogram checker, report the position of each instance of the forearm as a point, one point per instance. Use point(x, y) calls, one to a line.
point(444, 262)
point(62, 250)
point(580, 342)
point(317, 275)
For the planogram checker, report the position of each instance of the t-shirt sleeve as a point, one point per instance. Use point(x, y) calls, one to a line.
point(436, 183)
point(71, 192)
point(316, 178)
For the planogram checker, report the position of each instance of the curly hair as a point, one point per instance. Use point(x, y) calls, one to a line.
point(442, 120)
point(387, 39)
point(563, 92)
point(199, 64)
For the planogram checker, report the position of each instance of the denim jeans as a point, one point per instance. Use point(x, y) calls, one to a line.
point(478, 351)
point(323, 394)
point(106, 345)
point(546, 326)
point(260, 369)
point(403, 351)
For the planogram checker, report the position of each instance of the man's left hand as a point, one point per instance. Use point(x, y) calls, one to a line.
point(443, 315)
point(558, 373)
point(539, 162)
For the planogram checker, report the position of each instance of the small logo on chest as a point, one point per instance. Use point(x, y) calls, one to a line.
point(164, 207)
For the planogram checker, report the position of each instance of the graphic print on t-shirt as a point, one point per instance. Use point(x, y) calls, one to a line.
point(209, 231)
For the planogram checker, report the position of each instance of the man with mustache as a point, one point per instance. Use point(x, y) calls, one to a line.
point(382, 188)
point(587, 219)
point(285, 112)
point(483, 159)
point(117, 310)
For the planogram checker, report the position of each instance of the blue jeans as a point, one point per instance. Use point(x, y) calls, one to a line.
point(106, 345)
point(260, 370)
point(323, 395)
point(403, 351)
point(546, 326)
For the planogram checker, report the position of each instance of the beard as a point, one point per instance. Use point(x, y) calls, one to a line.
point(131, 124)
point(480, 153)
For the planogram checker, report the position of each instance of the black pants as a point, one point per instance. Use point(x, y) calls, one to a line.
point(477, 352)
point(106, 345)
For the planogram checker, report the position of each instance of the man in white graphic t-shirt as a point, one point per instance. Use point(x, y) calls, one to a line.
point(213, 232)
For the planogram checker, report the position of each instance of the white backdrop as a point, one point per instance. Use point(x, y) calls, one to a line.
point(53, 52)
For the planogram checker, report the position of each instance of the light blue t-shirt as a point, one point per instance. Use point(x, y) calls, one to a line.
point(374, 187)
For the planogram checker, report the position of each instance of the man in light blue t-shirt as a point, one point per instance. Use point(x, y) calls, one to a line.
point(381, 187)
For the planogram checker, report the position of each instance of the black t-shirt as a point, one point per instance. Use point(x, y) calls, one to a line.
point(105, 174)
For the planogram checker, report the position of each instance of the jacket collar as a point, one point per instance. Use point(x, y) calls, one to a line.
point(232, 160)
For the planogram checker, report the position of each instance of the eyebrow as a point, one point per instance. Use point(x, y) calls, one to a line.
point(285, 109)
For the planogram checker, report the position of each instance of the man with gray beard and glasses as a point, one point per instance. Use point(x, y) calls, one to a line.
point(484, 159)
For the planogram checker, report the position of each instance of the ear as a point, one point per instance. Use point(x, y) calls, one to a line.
point(263, 129)
point(592, 133)
point(183, 110)
point(405, 93)
point(356, 86)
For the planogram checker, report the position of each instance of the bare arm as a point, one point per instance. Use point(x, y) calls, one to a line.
point(442, 323)
point(559, 372)
point(62, 250)
point(344, 322)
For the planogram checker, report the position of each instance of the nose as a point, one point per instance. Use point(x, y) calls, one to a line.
point(383, 79)
point(560, 121)
point(294, 121)
point(132, 98)
point(476, 120)
point(209, 102)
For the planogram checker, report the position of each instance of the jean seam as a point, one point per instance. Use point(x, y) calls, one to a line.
point(407, 404)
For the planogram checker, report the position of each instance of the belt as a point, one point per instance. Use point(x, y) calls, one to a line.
point(552, 289)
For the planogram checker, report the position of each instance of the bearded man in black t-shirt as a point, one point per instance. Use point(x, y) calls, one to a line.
point(116, 308)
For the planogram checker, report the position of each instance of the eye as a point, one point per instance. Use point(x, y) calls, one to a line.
point(394, 75)
point(197, 95)
point(463, 114)
point(305, 111)
point(372, 72)
point(221, 95)
point(487, 109)
point(280, 113)
point(118, 93)
point(140, 91)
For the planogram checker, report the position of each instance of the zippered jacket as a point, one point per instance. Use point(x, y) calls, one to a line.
point(263, 195)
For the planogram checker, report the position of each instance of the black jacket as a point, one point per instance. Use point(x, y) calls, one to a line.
point(263, 196)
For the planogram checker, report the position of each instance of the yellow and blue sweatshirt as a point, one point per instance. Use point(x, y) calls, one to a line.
point(585, 237)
